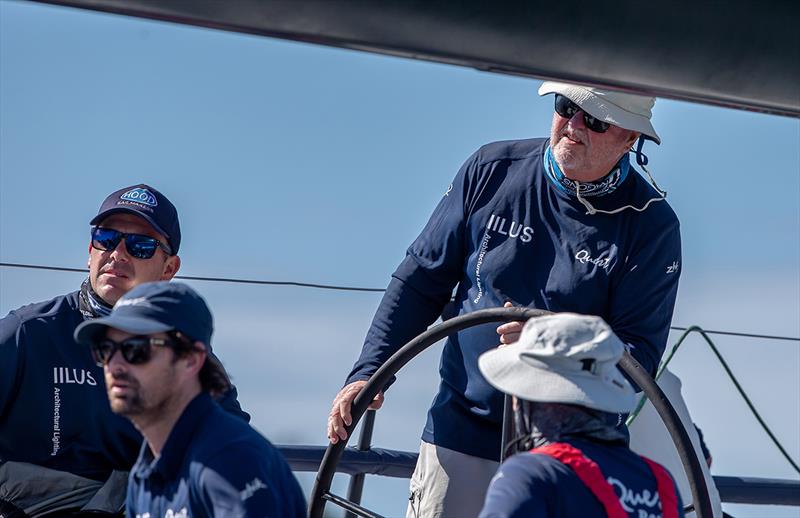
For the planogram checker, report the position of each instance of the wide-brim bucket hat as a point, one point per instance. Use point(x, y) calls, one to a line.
point(564, 358)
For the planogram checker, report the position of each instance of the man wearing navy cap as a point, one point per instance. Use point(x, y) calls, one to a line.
point(196, 460)
point(61, 447)
point(564, 223)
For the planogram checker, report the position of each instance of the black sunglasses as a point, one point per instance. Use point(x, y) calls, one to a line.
point(135, 350)
point(568, 109)
point(138, 245)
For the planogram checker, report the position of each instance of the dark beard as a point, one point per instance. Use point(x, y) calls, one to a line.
point(130, 405)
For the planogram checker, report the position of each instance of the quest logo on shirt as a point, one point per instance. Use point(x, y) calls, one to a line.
point(604, 260)
point(634, 502)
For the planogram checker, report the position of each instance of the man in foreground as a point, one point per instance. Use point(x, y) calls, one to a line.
point(197, 460)
point(61, 447)
point(573, 461)
point(559, 224)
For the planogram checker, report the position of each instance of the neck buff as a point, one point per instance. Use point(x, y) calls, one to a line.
point(538, 424)
point(605, 185)
point(90, 303)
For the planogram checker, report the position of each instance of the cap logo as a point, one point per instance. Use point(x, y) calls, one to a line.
point(140, 195)
point(138, 301)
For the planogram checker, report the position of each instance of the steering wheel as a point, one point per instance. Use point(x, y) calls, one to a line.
point(321, 493)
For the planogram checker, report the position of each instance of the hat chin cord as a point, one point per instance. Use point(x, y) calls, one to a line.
point(642, 160)
point(524, 440)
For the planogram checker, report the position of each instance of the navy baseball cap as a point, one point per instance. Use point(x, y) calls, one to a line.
point(146, 202)
point(155, 307)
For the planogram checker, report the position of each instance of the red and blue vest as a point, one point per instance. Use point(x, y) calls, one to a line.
point(590, 474)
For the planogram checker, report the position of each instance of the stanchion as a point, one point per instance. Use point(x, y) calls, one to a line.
point(356, 488)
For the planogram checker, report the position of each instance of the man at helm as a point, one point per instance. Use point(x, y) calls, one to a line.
point(564, 223)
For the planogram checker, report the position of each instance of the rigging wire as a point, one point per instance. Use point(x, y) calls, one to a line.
point(211, 279)
point(731, 333)
point(686, 332)
point(341, 288)
point(697, 329)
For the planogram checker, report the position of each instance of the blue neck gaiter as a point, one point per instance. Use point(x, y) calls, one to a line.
point(601, 187)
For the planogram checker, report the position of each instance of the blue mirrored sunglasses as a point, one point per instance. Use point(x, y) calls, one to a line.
point(138, 245)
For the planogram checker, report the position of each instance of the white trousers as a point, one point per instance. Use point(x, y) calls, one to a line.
point(448, 484)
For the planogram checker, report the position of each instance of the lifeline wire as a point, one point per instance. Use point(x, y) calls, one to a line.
point(211, 279)
point(343, 288)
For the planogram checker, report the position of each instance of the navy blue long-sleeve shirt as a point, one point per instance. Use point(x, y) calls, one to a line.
point(505, 232)
point(538, 486)
point(54, 411)
point(213, 464)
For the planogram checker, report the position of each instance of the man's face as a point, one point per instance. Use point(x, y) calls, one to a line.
point(145, 389)
point(585, 155)
point(114, 272)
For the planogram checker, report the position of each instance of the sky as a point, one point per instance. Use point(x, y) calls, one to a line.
point(291, 161)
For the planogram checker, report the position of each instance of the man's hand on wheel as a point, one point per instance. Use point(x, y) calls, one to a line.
point(509, 332)
point(340, 411)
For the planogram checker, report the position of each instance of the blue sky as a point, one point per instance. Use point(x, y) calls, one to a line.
point(290, 161)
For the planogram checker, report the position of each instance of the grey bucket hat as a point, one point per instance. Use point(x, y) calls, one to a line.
point(563, 358)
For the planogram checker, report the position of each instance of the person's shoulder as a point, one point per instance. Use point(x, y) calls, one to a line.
point(234, 452)
point(660, 219)
point(659, 214)
point(47, 308)
point(618, 459)
point(223, 433)
point(510, 150)
point(524, 485)
point(538, 468)
point(39, 311)
point(539, 472)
